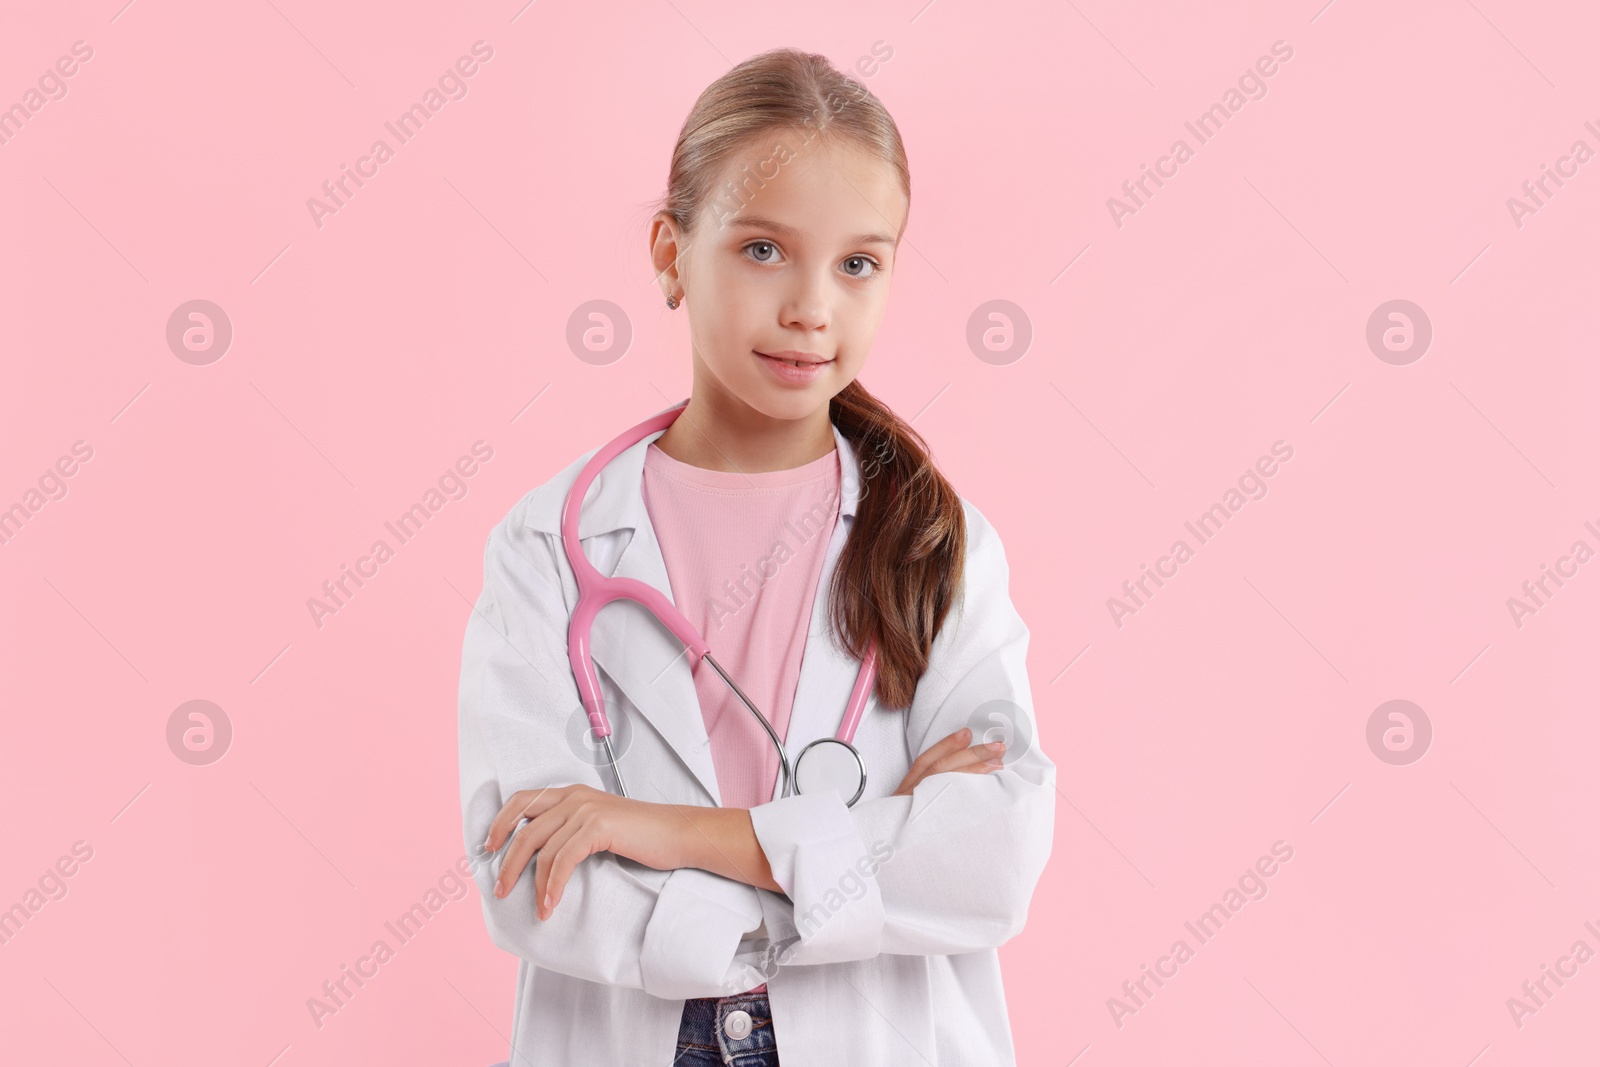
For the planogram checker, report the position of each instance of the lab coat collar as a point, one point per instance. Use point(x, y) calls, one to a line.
point(648, 663)
point(614, 501)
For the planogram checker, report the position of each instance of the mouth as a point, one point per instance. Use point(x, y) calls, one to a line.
point(795, 369)
point(795, 359)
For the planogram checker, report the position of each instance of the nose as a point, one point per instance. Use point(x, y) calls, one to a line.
point(807, 306)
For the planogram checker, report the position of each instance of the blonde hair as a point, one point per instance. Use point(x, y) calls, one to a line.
point(903, 562)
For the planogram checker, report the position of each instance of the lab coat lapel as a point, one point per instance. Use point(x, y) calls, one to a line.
point(651, 667)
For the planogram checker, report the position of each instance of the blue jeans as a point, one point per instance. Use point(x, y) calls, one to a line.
point(704, 1038)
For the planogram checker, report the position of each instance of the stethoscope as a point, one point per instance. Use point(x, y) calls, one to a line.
point(824, 764)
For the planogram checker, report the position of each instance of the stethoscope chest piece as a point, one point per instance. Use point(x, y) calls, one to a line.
point(831, 764)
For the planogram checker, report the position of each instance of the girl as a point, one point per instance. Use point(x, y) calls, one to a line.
point(708, 918)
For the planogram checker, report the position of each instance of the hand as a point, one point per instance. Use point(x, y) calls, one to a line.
point(571, 822)
point(951, 755)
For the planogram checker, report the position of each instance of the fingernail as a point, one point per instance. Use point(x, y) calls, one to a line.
point(966, 733)
point(547, 902)
point(994, 763)
point(997, 746)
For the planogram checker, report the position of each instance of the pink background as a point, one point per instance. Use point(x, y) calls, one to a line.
point(1230, 312)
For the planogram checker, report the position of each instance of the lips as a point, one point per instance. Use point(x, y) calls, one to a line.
point(795, 359)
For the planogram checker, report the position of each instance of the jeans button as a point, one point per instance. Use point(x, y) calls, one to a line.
point(737, 1025)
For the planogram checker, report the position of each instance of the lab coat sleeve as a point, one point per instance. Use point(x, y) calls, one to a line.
point(670, 933)
point(952, 867)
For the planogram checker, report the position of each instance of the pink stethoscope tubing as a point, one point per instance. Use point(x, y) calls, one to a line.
point(595, 591)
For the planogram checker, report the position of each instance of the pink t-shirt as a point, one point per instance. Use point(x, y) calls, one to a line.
point(744, 553)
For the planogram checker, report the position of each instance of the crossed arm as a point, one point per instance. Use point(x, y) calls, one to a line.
point(666, 899)
point(571, 822)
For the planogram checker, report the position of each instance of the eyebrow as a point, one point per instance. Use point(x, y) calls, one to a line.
point(757, 222)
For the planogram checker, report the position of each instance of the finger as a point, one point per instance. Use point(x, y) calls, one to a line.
point(942, 748)
point(524, 803)
point(547, 852)
point(964, 760)
point(925, 763)
point(947, 744)
point(557, 858)
point(506, 819)
point(978, 758)
point(524, 843)
point(990, 753)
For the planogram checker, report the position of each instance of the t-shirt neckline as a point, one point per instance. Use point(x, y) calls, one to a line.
point(821, 468)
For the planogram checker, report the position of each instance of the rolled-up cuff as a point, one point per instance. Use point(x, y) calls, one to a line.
point(818, 857)
point(692, 940)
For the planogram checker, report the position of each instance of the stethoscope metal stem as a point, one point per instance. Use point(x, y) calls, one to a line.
point(783, 756)
point(610, 753)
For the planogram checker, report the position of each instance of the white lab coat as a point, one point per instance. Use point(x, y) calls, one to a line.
point(881, 949)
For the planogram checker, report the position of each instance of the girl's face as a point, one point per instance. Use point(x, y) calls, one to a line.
point(797, 261)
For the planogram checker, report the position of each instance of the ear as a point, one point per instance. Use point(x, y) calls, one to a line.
point(666, 250)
